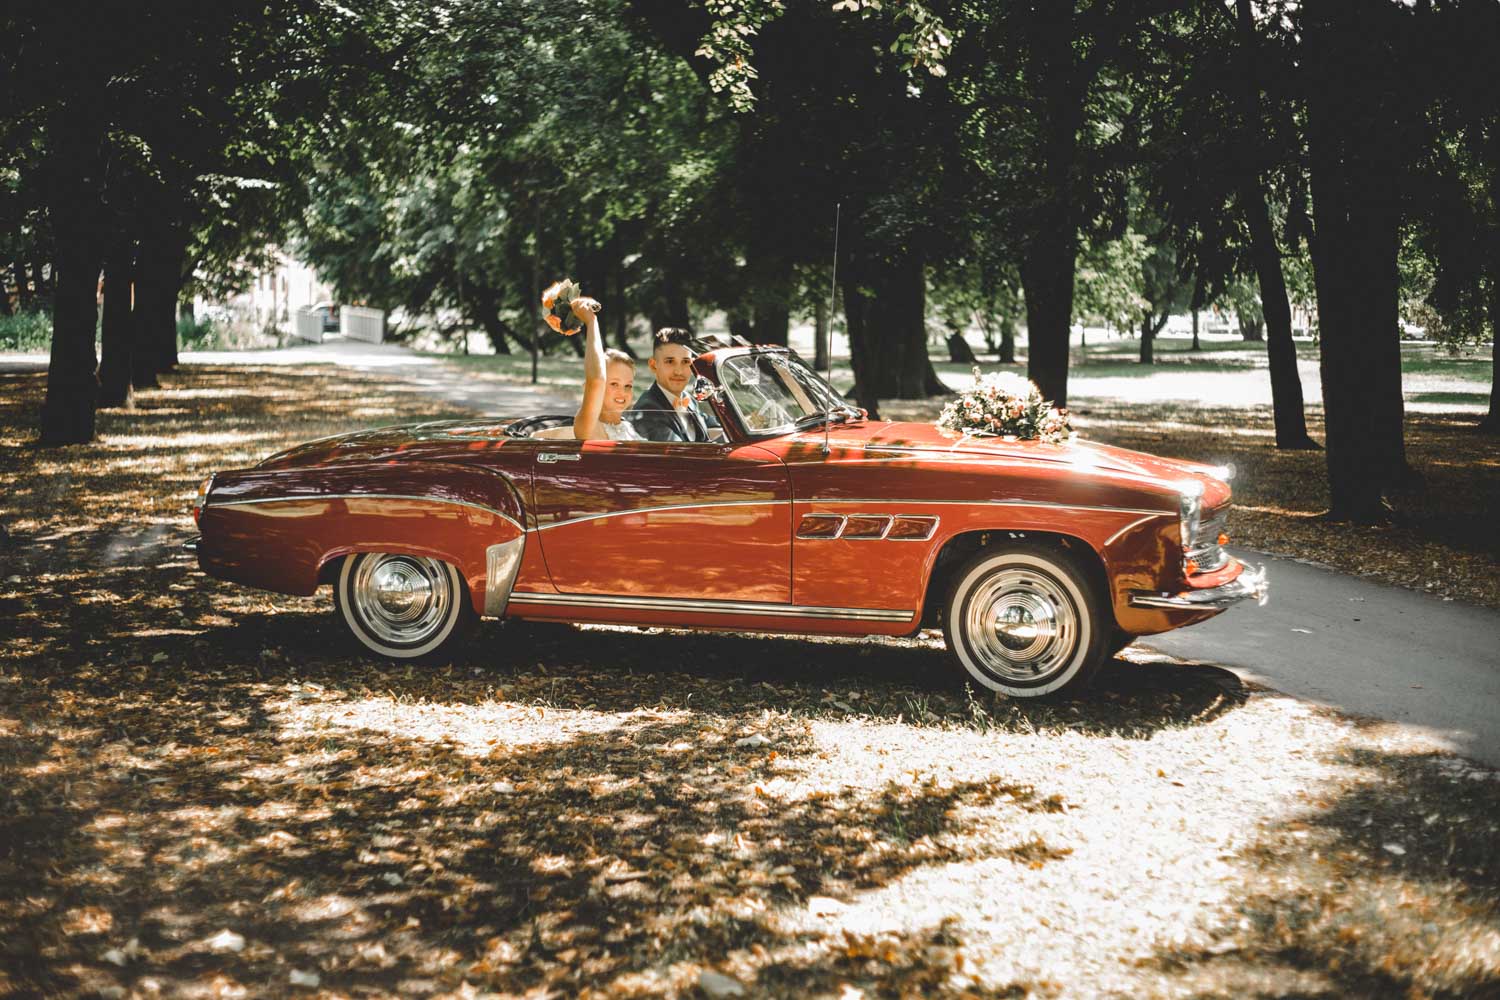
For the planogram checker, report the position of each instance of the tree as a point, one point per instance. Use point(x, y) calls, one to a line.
point(1225, 149)
point(983, 291)
point(1057, 131)
point(834, 123)
point(1363, 125)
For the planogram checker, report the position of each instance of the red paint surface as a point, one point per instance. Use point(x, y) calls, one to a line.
point(706, 521)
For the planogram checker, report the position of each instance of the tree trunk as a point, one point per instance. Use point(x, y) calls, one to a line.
point(1008, 340)
point(857, 306)
point(671, 309)
point(622, 313)
point(1281, 349)
point(1251, 330)
point(821, 335)
point(489, 319)
point(117, 337)
point(741, 324)
point(1491, 423)
point(770, 294)
point(1196, 345)
point(1148, 342)
point(773, 322)
point(892, 351)
point(1047, 279)
point(75, 208)
point(72, 385)
point(174, 251)
point(157, 269)
point(1352, 150)
point(23, 287)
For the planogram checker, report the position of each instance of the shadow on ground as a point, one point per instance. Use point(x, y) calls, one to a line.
point(203, 790)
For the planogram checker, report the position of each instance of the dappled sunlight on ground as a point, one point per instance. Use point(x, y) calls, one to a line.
point(205, 791)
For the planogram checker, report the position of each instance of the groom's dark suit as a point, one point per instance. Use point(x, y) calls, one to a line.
point(667, 426)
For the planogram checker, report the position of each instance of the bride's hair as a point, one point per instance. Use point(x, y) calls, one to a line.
point(613, 354)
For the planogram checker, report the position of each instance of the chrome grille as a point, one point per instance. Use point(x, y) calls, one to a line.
point(1204, 548)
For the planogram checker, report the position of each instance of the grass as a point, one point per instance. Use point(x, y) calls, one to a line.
point(204, 790)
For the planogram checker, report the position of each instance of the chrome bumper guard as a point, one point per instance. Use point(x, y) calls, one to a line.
point(192, 543)
point(1252, 583)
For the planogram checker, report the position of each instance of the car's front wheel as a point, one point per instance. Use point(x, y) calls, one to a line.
point(1027, 621)
point(401, 606)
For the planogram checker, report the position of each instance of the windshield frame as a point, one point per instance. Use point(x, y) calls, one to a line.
point(793, 361)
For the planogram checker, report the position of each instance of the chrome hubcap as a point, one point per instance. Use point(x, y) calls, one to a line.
point(403, 600)
point(1022, 624)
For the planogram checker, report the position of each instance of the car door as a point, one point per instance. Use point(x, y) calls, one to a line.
point(709, 520)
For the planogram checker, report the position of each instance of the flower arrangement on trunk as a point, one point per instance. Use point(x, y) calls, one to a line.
point(1003, 404)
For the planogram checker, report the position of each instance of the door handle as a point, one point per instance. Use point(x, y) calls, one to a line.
point(548, 457)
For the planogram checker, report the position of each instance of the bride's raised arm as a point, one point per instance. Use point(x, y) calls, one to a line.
point(595, 372)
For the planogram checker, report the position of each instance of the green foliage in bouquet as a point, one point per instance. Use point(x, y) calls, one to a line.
point(1003, 404)
point(557, 303)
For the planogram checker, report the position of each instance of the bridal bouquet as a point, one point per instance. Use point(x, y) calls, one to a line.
point(557, 307)
point(1003, 404)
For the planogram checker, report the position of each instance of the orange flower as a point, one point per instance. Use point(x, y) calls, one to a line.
point(554, 322)
point(549, 297)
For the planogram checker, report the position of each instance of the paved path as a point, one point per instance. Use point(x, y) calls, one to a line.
point(1364, 648)
point(428, 376)
point(1358, 646)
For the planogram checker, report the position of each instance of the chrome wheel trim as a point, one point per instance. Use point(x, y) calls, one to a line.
point(401, 601)
point(1022, 625)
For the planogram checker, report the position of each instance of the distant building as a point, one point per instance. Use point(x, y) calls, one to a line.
point(276, 294)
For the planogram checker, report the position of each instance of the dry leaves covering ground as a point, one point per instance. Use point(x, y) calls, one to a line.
point(204, 792)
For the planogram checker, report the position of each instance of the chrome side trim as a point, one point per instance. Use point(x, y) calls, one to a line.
point(1252, 583)
point(314, 498)
point(992, 503)
point(501, 563)
point(551, 457)
point(696, 606)
point(824, 500)
point(889, 520)
point(656, 510)
point(842, 520)
point(191, 544)
point(932, 526)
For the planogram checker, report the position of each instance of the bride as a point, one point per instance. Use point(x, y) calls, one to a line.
point(608, 385)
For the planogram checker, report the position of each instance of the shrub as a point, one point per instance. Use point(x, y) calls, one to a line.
point(26, 331)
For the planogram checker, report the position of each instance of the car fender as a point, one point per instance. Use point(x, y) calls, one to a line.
point(279, 529)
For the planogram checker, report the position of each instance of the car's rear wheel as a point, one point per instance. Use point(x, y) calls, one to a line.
point(1027, 621)
point(403, 607)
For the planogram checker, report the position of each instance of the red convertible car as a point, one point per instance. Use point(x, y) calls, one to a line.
point(1038, 561)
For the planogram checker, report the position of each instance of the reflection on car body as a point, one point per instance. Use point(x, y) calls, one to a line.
point(1036, 560)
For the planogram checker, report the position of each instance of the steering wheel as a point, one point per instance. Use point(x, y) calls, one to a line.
point(775, 409)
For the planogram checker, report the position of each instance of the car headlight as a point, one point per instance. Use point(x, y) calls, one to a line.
point(1190, 512)
point(1225, 472)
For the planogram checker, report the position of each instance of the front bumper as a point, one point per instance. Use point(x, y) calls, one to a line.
point(1252, 583)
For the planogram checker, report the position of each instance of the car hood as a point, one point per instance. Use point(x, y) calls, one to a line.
point(1084, 456)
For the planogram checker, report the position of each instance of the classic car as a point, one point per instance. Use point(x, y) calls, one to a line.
point(1037, 561)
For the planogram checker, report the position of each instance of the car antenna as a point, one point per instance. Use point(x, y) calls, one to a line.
point(833, 287)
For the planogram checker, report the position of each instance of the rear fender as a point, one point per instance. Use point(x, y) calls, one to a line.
point(278, 529)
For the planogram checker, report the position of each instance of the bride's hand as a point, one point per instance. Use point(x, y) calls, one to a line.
point(585, 308)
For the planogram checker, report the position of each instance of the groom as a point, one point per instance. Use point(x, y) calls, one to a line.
point(672, 364)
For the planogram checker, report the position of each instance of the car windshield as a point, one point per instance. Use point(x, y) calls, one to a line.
point(775, 392)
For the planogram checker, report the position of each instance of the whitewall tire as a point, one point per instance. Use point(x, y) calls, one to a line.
point(403, 607)
point(1027, 621)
